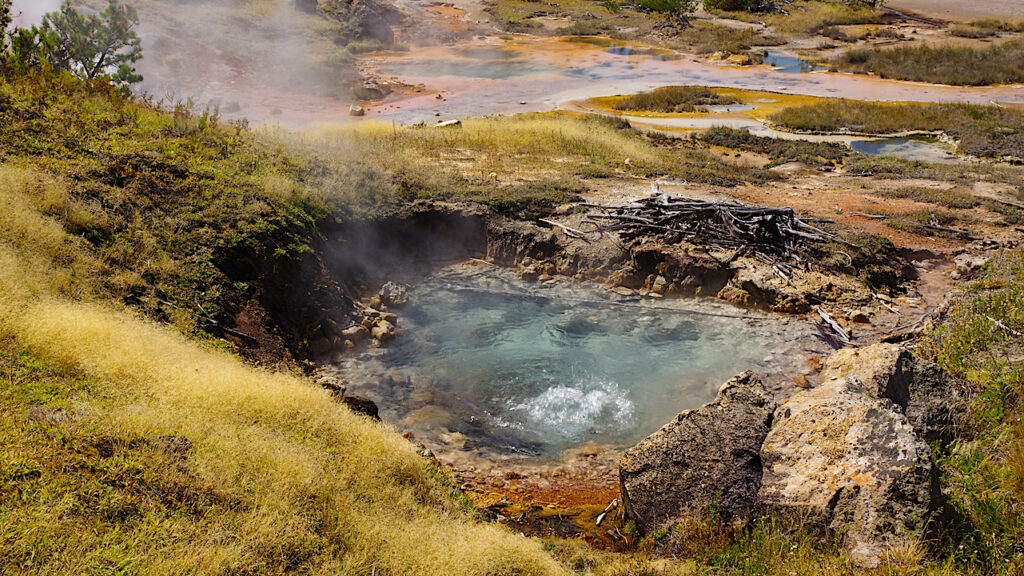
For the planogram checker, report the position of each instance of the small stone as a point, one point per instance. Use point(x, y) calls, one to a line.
point(859, 317)
point(658, 285)
point(739, 60)
point(356, 110)
point(355, 333)
point(383, 332)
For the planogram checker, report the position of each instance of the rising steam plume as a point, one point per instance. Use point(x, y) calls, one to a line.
point(30, 12)
point(261, 59)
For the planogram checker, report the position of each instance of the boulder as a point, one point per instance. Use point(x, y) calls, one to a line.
point(383, 331)
point(968, 265)
point(705, 457)
point(932, 399)
point(739, 60)
point(333, 384)
point(361, 405)
point(371, 22)
point(846, 463)
point(365, 19)
point(394, 295)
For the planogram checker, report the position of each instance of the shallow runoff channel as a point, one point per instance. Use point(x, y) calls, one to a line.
point(491, 75)
point(499, 367)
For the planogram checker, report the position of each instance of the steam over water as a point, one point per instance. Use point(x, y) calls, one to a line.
point(496, 365)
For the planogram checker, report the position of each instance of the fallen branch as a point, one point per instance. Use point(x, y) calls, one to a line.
point(933, 224)
point(571, 232)
point(842, 335)
point(1004, 327)
point(611, 506)
point(892, 309)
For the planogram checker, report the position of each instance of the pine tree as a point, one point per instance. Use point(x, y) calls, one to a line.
point(89, 46)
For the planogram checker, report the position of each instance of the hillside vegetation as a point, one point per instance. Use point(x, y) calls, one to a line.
point(128, 448)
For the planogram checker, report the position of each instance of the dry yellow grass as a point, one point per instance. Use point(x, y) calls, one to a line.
point(298, 465)
point(809, 17)
point(507, 146)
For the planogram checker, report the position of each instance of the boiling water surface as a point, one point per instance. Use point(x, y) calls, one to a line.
point(497, 365)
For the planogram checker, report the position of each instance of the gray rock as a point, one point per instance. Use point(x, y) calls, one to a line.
point(968, 265)
point(709, 456)
point(846, 463)
point(394, 295)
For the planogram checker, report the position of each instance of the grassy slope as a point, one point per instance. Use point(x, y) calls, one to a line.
point(984, 475)
point(128, 447)
point(528, 159)
point(158, 196)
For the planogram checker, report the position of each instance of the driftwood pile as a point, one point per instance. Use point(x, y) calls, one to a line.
point(776, 236)
point(763, 230)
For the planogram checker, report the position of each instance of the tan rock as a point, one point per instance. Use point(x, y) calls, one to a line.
point(859, 317)
point(739, 60)
point(383, 331)
point(847, 464)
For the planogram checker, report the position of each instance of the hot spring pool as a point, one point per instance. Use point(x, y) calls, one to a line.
point(487, 362)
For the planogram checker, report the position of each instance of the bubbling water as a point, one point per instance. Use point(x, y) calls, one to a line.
point(490, 363)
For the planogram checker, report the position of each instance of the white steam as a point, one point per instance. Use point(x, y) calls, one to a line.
point(30, 12)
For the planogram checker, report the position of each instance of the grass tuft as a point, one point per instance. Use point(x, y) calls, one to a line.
point(984, 131)
point(957, 65)
point(673, 100)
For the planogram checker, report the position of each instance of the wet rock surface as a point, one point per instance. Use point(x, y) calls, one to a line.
point(709, 456)
point(394, 295)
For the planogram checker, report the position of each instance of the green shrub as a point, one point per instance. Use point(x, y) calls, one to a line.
point(780, 151)
point(673, 99)
point(674, 8)
point(90, 46)
point(740, 5)
point(971, 32)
